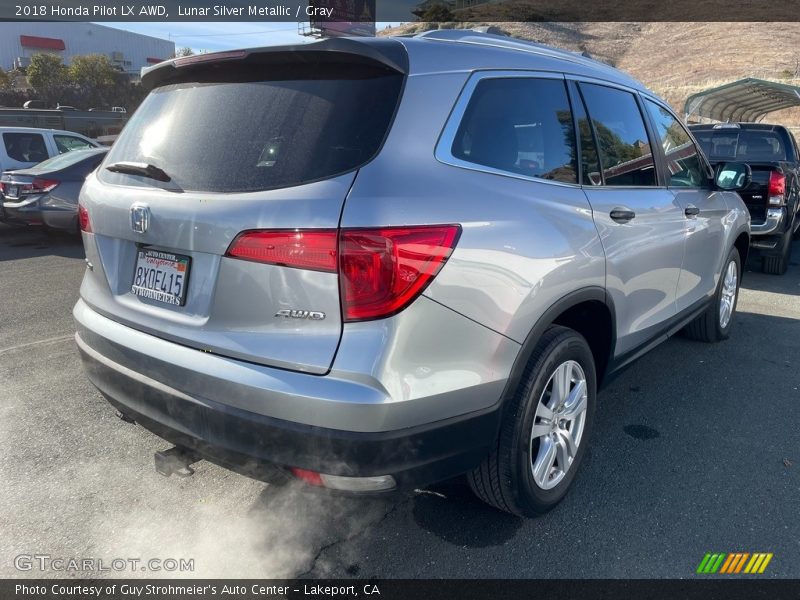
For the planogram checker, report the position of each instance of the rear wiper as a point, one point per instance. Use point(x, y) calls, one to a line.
point(137, 168)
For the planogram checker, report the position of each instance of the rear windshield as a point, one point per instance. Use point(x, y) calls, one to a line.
point(243, 136)
point(754, 146)
point(62, 161)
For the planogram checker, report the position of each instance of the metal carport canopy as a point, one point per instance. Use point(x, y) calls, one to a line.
point(748, 100)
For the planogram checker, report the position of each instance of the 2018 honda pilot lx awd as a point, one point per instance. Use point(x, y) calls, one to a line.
point(378, 263)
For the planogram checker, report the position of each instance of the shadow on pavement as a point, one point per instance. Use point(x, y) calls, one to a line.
point(788, 283)
point(19, 242)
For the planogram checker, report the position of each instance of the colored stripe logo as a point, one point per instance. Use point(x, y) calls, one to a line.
point(736, 562)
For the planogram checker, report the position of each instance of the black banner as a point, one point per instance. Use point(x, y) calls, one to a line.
point(606, 589)
point(401, 10)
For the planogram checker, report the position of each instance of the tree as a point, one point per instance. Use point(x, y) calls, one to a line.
point(5, 80)
point(93, 71)
point(46, 73)
point(184, 52)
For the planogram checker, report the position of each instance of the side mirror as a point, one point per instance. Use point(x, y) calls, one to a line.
point(732, 176)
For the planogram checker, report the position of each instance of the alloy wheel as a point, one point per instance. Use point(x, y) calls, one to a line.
point(727, 298)
point(558, 425)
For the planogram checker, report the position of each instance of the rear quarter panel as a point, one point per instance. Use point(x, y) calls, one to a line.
point(524, 244)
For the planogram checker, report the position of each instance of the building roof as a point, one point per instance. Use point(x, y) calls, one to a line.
point(748, 99)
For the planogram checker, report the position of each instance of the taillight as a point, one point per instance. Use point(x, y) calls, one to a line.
point(302, 249)
point(83, 219)
point(44, 185)
point(381, 271)
point(777, 188)
point(37, 186)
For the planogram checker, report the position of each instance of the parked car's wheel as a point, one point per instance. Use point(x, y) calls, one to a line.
point(777, 265)
point(545, 429)
point(716, 322)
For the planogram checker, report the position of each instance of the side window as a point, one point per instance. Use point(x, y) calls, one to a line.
point(683, 163)
point(520, 125)
point(621, 136)
point(25, 147)
point(65, 143)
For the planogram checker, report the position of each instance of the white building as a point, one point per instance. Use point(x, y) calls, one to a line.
point(19, 41)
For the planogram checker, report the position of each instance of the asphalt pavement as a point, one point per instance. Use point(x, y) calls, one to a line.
point(696, 449)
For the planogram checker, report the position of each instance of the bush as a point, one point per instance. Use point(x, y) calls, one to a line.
point(91, 81)
point(47, 74)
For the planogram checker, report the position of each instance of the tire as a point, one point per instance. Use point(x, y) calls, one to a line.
point(715, 323)
point(777, 265)
point(508, 478)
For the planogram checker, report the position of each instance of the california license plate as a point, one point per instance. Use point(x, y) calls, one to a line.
point(161, 276)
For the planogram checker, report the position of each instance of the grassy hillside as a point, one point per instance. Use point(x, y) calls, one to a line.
point(674, 59)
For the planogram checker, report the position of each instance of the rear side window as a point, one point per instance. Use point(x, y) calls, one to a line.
point(243, 136)
point(25, 147)
point(683, 162)
point(519, 125)
point(625, 153)
point(67, 143)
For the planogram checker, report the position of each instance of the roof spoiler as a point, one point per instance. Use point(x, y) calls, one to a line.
point(385, 54)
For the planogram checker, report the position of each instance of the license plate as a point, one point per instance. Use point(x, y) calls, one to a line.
point(13, 191)
point(161, 276)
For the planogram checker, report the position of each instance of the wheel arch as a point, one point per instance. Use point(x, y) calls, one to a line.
point(590, 312)
point(742, 245)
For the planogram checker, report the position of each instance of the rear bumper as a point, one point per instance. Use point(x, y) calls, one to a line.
point(37, 210)
point(250, 442)
point(772, 224)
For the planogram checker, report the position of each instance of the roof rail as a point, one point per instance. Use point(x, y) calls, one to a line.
point(471, 36)
point(477, 36)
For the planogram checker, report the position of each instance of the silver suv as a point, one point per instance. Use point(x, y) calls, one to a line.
point(379, 263)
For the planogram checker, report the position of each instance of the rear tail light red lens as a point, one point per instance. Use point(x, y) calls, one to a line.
point(310, 477)
point(383, 270)
point(83, 219)
point(314, 250)
point(37, 186)
point(777, 188)
point(40, 185)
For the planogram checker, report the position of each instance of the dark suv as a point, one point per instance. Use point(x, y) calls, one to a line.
point(773, 196)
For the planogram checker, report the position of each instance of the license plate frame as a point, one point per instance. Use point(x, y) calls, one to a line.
point(166, 263)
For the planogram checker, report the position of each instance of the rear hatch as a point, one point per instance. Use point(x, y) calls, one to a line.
point(267, 139)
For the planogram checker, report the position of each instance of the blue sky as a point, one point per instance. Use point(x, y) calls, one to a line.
point(220, 36)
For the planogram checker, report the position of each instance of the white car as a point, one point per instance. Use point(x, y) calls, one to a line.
point(23, 147)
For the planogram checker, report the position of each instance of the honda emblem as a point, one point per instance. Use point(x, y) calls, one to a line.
point(140, 218)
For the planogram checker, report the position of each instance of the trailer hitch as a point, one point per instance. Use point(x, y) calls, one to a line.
point(177, 461)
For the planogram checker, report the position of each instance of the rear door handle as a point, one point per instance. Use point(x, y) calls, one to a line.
point(622, 215)
point(691, 211)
